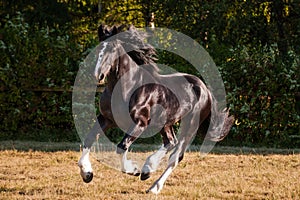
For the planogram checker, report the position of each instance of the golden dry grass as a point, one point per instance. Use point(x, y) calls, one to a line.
point(55, 175)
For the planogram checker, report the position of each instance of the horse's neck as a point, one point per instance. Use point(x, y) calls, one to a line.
point(111, 82)
point(128, 75)
point(126, 67)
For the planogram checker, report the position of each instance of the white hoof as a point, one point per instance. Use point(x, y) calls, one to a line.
point(129, 167)
point(155, 188)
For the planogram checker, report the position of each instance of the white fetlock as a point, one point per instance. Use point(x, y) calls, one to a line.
point(85, 166)
point(84, 162)
point(128, 166)
point(155, 188)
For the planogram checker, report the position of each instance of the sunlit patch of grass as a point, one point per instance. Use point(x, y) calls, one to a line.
point(55, 175)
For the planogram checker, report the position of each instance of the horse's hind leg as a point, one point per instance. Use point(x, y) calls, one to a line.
point(84, 163)
point(174, 159)
point(153, 161)
point(188, 131)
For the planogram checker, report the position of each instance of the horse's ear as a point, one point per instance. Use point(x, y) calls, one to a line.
point(107, 32)
point(101, 33)
point(114, 30)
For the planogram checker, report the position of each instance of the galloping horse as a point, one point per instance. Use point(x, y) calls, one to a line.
point(147, 93)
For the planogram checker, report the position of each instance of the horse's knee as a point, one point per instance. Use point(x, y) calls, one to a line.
point(125, 143)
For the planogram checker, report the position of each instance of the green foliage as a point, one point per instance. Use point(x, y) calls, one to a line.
point(33, 58)
point(255, 44)
point(262, 94)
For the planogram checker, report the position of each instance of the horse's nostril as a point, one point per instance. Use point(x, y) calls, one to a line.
point(101, 76)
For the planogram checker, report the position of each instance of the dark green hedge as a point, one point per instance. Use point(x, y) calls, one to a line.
point(259, 63)
point(32, 59)
point(263, 91)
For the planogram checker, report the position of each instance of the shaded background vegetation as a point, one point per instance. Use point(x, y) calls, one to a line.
point(255, 44)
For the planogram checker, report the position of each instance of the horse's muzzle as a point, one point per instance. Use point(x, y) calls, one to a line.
point(101, 79)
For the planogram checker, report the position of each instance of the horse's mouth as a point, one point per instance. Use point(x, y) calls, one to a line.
point(101, 82)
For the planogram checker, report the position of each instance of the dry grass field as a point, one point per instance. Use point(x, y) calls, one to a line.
point(55, 175)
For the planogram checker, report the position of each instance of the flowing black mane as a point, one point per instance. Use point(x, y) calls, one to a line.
point(133, 42)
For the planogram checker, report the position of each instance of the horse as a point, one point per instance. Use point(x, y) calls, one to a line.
point(146, 94)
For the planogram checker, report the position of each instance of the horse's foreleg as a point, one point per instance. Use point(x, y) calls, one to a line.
point(129, 166)
point(85, 166)
point(84, 163)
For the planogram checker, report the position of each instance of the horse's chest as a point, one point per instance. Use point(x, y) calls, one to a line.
point(105, 104)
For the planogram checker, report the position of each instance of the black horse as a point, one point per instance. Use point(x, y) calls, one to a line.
point(151, 99)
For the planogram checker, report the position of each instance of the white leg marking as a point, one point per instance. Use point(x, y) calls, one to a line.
point(84, 161)
point(173, 162)
point(159, 184)
point(154, 160)
point(128, 166)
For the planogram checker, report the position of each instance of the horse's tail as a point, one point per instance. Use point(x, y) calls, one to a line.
point(220, 123)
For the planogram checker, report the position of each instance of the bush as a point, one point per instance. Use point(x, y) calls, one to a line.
point(34, 58)
point(262, 90)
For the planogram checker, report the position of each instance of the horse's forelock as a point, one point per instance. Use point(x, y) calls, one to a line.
point(133, 42)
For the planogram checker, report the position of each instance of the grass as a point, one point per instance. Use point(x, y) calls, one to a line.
point(35, 174)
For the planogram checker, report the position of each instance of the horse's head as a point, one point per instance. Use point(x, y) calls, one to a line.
point(121, 50)
point(107, 60)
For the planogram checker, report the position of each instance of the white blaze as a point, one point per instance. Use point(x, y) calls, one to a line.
point(100, 56)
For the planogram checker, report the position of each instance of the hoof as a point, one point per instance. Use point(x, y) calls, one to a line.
point(135, 173)
point(89, 177)
point(154, 190)
point(145, 176)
